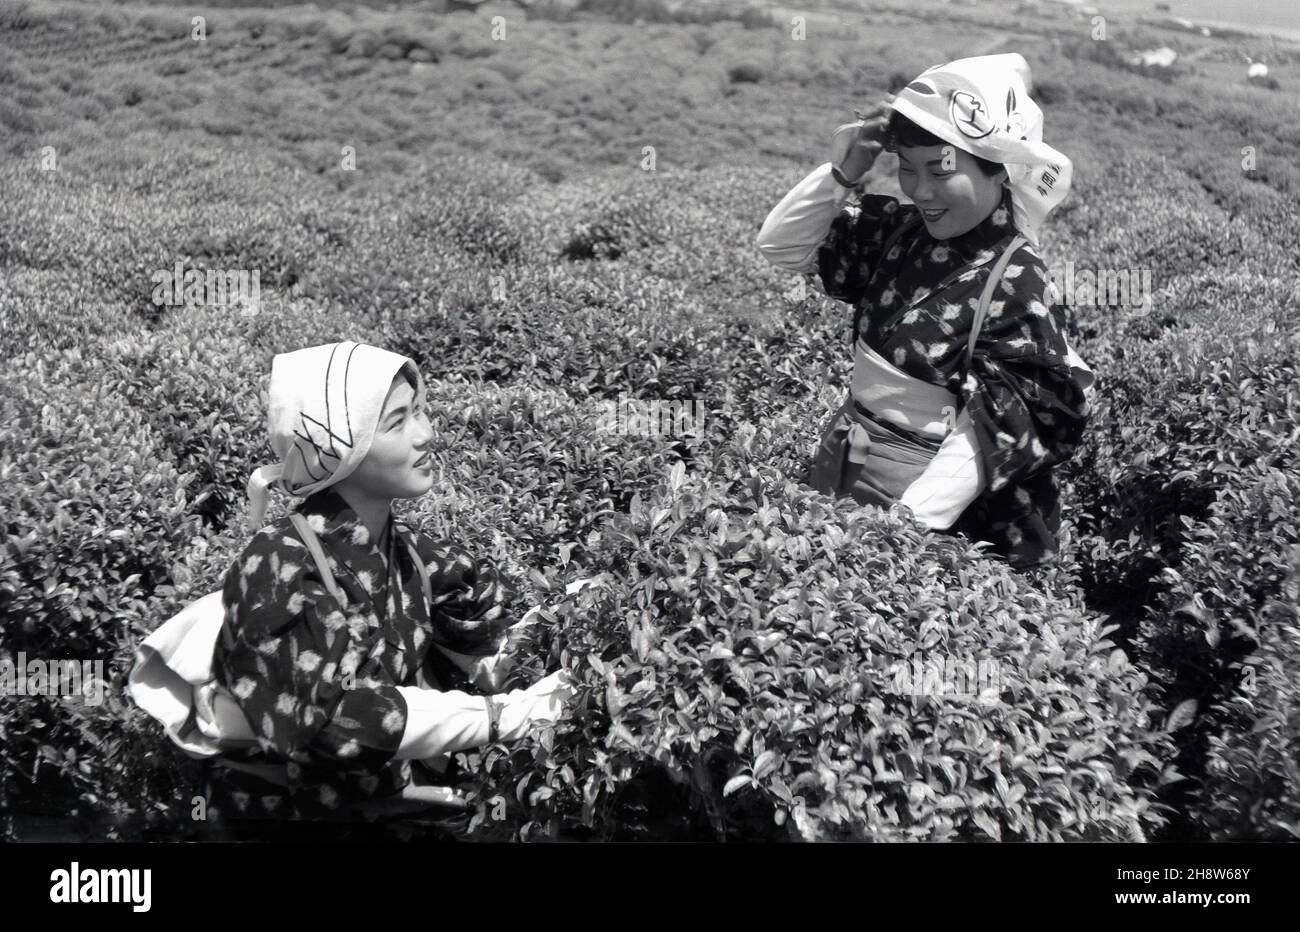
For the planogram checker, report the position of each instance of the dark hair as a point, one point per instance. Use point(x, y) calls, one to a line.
point(903, 132)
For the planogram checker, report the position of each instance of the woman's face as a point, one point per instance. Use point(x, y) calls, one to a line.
point(399, 464)
point(951, 190)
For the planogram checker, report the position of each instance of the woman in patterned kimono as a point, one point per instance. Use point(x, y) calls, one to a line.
point(969, 451)
point(331, 677)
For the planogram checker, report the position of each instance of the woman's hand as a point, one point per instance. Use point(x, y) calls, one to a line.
point(855, 146)
point(547, 700)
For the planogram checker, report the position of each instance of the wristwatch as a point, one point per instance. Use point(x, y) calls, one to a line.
point(840, 179)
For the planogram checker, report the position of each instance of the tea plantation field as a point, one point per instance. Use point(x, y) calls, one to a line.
point(557, 210)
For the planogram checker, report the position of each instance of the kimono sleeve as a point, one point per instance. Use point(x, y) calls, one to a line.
point(852, 249)
point(952, 480)
point(283, 657)
point(1026, 390)
point(797, 225)
point(470, 598)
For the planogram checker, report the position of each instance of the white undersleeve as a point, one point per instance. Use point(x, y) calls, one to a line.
point(954, 478)
point(797, 226)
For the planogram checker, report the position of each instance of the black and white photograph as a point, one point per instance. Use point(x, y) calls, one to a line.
point(651, 421)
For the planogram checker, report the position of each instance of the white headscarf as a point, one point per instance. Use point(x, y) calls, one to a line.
point(325, 403)
point(982, 105)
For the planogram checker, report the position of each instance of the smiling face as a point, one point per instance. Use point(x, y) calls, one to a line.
point(949, 187)
point(399, 463)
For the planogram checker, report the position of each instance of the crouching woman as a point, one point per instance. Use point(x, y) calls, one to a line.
point(338, 620)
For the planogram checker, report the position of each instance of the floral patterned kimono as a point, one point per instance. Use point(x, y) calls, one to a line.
point(1023, 404)
point(1024, 395)
point(291, 655)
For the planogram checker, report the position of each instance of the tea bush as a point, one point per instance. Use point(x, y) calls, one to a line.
point(1250, 774)
point(504, 477)
point(1177, 543)
point(741, 650)
point(740, 668)
point(95, 518)
point(1222, 635)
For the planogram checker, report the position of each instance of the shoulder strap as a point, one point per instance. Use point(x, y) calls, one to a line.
point(420, 568)
point(313, 545)
point(986, 297)
point(309, 538)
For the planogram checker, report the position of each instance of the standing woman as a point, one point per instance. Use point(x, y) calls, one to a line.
point(965, 449)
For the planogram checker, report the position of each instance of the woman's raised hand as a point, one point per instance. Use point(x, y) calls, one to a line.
point(855, 146)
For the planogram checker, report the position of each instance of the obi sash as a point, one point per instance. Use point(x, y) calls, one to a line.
point(864, 456)
point(892, 395)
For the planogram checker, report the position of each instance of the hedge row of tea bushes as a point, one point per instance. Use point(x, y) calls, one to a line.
point(126, 458)
point(95, 519)
point(184, 382)
point(739, 656)
point(740, 649)
point(1189, 536)
point(1250, 774)
point(1185, 488)
point(109, 88)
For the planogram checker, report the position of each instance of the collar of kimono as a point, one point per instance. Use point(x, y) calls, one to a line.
point(985, 235)
point(466, 614)
point(373, 582)
point(344, 535)
point(341, 524)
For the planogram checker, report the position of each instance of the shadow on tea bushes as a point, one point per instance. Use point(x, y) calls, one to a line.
point(1187, 508)
point(1224, 636)
point(1251, 775)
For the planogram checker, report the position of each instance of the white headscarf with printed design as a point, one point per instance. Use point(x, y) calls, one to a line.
point(982, 105)
point(324, 409)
